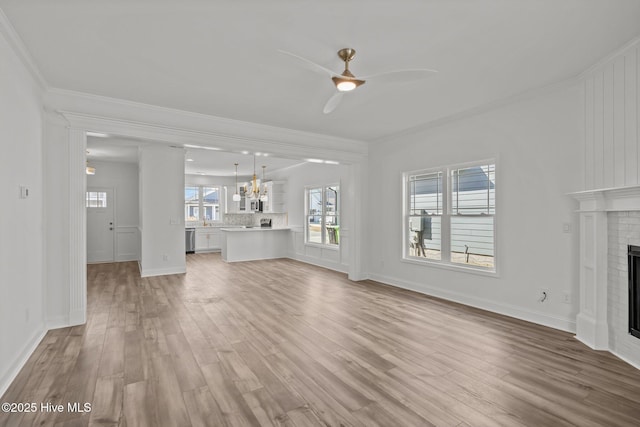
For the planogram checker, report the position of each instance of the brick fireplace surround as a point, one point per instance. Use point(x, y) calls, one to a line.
point(609, 222)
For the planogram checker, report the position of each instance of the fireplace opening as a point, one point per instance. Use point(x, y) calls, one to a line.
point(634, 290)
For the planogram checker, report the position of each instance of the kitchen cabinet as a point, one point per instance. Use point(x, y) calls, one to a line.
point(276, 197)
point(208, 239)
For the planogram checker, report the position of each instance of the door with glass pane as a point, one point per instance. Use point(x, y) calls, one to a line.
point(100, 225)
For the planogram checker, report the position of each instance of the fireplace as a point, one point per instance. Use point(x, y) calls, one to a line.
point(609, 271)
point(634, 290)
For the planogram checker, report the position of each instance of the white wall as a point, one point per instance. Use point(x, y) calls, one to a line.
point(161, 186)
point(22, 290)
point(313, 174)
point(123, 178)
point(612, 119)
point(536, 143)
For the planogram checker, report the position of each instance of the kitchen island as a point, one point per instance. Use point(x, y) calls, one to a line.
point(254, 243)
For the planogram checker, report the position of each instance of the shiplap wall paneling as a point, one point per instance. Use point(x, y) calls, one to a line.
point(598, 129)
point(617, 113)
point(607, 127)
point(589, 110)
point(631, 121)
point(612, 155)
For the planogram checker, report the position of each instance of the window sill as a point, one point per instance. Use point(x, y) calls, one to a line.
point(453, 267)
point(321, 246)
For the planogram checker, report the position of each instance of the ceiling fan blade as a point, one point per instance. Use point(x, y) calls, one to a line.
point(310, 64)
point(401, 75)
point(333, 102)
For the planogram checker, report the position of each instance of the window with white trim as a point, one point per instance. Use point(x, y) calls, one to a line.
point(96, 199)
point(202, 203)
point(450, 216)
point(322, 225)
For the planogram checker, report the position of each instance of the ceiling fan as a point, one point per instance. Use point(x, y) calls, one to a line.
point(346, 81)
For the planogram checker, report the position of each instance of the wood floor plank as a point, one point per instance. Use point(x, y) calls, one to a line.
point(283, 343)
point(140, 406)
point(107, 401)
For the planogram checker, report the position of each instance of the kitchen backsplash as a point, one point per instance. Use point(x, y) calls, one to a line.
point(277, 219)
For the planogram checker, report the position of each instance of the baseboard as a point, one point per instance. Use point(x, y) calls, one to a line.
point(57, 322)
point(21, 360)
point(633, 363)
point(504, 309)
point(126, 257)
point(161, 271)
point(319, 263)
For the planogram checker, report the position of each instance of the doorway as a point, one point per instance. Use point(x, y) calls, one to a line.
point(100, 225)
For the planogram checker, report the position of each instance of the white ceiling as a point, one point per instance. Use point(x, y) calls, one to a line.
point(205, 162)
point(221, 57)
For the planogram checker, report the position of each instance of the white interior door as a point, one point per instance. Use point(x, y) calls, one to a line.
point(100, 225)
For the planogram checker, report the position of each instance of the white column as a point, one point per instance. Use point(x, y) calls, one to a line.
point(356, 232)
point(77, 228)
point(591, 322)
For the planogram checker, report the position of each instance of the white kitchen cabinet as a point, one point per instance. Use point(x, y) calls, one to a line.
point(208, 239)
point(276, 197)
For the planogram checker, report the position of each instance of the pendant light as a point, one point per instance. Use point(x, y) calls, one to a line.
point(89, 170)
point(236, 196)
point(263, 193)
point(254, 191)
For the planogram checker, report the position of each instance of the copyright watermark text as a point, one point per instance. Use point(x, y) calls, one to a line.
point(23, 407)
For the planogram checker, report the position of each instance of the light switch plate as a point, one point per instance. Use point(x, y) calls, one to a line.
point(24, 192)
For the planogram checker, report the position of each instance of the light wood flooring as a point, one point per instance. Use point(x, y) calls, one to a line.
point(284, 343)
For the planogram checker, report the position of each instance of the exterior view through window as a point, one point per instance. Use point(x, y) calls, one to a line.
point(322, 211)
point(450, 216)
point(201, 203)
point(96, 199)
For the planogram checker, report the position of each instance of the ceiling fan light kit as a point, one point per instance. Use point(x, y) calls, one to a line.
point(347, 82)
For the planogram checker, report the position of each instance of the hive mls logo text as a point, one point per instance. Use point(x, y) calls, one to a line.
point(78, 407)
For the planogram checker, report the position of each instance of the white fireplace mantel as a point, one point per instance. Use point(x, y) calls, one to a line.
point(591, 322)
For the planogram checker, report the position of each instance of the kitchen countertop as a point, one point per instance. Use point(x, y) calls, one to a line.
point(212, 226)
point(258, 228)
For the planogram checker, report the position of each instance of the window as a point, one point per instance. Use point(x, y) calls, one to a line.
point(96, 199)
point(201, 203)
point(450, 216)
point(322, 212)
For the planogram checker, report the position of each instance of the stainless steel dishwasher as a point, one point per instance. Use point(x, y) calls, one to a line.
point(190, 240)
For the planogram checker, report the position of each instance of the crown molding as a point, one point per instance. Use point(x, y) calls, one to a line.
point(18, 47)
point(608, 58)
point(150, 122)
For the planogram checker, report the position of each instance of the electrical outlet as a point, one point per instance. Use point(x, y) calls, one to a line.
point(566, 298)
point(165, 257)
point(543, 296)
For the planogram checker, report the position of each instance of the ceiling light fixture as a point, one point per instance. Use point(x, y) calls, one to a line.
point(346, 81)
point(236, 196)
point(189, 160)
point(254, 191)
point(89, 170)
point(202, 147)
point(314, 160)
point(97, 134)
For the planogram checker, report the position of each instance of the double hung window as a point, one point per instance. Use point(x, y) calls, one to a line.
point(450, 215)
point(202, 203)
point(322, 226)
